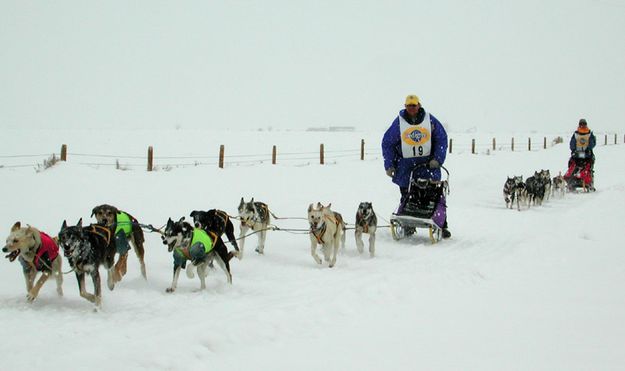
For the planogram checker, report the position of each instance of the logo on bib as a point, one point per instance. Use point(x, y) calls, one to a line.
point(416, 136)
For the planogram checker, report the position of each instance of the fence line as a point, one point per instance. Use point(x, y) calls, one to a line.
point(155, 162)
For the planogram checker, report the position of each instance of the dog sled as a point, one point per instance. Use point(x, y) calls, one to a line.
point(423, 207)
point(580, 173)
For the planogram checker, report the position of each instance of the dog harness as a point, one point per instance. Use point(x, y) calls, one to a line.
point(318, 233)
point(364, 224)
point(124, 223)
point(49, 248)
point(201, 236)
point(101, 231)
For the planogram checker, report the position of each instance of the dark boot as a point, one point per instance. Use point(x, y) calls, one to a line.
point(446, 232)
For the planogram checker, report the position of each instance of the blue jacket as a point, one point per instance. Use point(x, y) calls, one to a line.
point(391, 150)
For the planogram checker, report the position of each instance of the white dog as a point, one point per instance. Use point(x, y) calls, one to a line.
point(326, 229)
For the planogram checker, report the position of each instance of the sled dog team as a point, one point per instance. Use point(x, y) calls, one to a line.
point(194, 247)
point(534, 190)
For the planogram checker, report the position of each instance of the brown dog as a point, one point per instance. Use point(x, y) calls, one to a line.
point(127, 229)
point(37, 252)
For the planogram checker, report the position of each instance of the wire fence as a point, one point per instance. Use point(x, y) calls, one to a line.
point(222, 159)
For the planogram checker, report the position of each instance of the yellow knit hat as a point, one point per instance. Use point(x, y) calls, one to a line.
point(412, 99)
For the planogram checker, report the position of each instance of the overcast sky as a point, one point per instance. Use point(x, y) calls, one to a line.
point(494, 65)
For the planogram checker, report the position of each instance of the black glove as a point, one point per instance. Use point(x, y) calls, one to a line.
point(434, 164)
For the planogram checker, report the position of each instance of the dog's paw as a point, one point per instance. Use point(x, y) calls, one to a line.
point(170, 290)
point(31, 297)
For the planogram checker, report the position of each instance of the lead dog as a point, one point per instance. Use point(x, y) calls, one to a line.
point(366, 222)
point(110, 216)
point(37, 252)
point(326, 229)
point(87, 248)
point(254, 216)
point(216, 221)
point(178, 236)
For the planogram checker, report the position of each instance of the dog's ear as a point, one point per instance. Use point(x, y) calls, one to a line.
point(64, 225)
point(252, 201)
point(181, 220)
point(330, 204)
point(241, 203)
point(79, 224)
point(310, 207)
point(319, 205)
point(94, 210)
point(193, 213)
point(16, 226)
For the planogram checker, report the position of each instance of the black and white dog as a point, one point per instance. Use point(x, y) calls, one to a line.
point(514, 190)
point(535, 189)
point(366, 222)
point(545, 176)
point(254, 216)
point(178, 237)
point(87, 248)
point(508, 192)
point(216, 221)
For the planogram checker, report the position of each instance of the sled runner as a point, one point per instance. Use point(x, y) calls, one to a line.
point(423, 207)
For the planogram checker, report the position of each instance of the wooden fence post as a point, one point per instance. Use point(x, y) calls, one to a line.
point(606, 140)
point(451, 143)
point(614, 138)
point(473, 146)
point(494, 144)
point(150, 158)
point(529, 144)
point(321, 154)
point(273, 155)
point(64, 152)
point(221, 156)
point(362, 150)
point(545, 143)
point(512, 144)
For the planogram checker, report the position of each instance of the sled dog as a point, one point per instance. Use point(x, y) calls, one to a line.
point(254, 216)
point(508, 192)
point(535, 189)
point(514, 190)
point(110, 216)
point(366, 222)
point(37, 252)
point(216, 221)
point(86, 248)
point(559, 185)
point(545, 176)
point(178, 237)
point(326, 229)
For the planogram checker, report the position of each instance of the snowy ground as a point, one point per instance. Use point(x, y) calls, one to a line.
point(540, 289)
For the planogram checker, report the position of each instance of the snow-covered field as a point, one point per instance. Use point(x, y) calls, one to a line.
point(540, 289)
